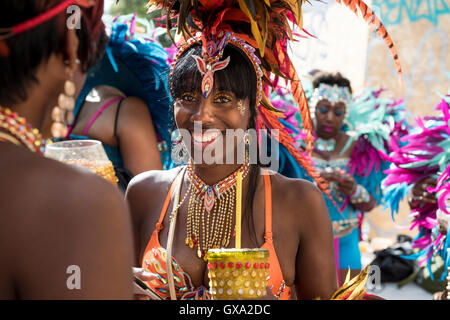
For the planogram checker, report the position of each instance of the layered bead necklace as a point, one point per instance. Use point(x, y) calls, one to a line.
point(19, 132)
point(211, 211)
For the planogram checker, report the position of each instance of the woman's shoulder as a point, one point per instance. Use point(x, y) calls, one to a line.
point(347, 142)
point(134, 108)
point(297, 197)
point(53, 188)
point(152, 182)
point(294, 190)
point(146, 193)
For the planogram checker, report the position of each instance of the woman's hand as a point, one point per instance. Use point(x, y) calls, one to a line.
point(419, 193)
point(331, 174)
point(347, 184)
point(143, 275)
point(443, 221)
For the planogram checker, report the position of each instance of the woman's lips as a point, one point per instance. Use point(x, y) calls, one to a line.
point(328, 129)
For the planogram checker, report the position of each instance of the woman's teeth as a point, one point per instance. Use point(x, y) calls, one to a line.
point(206, 137)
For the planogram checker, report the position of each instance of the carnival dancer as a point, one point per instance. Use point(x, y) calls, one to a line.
point(350, 133)
point(57, 222)
point(124, 102)
point(231, 54)
point(420, 171)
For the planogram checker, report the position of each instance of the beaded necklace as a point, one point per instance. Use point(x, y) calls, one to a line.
point(325, 145)
point(210, 211)
point(20, 131)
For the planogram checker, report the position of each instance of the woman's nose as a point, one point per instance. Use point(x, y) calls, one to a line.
point(204, 112)
point(330, 115)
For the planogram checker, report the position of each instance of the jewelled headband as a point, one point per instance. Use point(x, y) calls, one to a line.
point(6, 33)
point(210, 62)
point(332, 93)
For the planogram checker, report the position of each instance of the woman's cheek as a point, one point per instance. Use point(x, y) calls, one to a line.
point(180, 114)
point(235, 120)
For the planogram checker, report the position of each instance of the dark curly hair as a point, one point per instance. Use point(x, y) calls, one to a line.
point(331, 79)
point(26, 51)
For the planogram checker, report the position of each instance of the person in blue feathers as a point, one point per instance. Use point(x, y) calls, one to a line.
point(351, 134)
point(331, 156)
point(124, 103)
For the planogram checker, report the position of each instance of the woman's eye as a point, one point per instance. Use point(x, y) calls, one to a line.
point(222, 99)
point(322, 110)
point(339, 113)
point(187, 97)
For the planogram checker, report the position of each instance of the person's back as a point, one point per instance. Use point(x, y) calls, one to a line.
point(124, 126)
point(64, 234)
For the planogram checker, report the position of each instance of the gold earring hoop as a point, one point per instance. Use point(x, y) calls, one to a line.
point(62, 114)
point(241, 107)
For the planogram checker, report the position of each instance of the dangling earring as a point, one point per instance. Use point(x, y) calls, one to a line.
point(179, 151)
point(247, 138)
point(241, 107)
point(62, 114)
point(247, 141)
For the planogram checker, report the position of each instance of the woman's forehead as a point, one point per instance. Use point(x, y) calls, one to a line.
point(329, 104)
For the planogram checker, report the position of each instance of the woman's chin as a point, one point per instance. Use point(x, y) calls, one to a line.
point(327, 135)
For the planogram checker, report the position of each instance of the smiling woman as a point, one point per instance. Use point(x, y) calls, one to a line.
point(217, 80)
point(220, 113)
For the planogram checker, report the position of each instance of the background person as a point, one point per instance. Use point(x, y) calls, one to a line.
point(124, 102)
point(53, 216)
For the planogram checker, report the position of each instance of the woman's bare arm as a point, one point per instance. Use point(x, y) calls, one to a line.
point(137, 137)
point(315, 263)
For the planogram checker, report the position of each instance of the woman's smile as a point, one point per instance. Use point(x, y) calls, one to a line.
point(201, 139)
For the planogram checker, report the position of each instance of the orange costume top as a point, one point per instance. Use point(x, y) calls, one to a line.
point(154, 259)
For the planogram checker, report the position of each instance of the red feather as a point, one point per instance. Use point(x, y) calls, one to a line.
point(375, 24)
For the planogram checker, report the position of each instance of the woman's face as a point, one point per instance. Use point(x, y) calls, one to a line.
point(217, 114)
point(329, 118)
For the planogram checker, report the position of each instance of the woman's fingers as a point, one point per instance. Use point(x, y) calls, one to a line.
point(143, 274)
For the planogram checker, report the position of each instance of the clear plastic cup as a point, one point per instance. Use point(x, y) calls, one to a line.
point(88, 154)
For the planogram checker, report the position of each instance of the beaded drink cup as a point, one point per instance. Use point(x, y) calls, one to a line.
point(236, 274)
point(88, 154)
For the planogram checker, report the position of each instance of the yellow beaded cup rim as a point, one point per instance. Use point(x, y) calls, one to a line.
point(233, 253)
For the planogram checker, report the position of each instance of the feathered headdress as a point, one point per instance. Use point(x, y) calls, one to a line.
point(261, 29)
